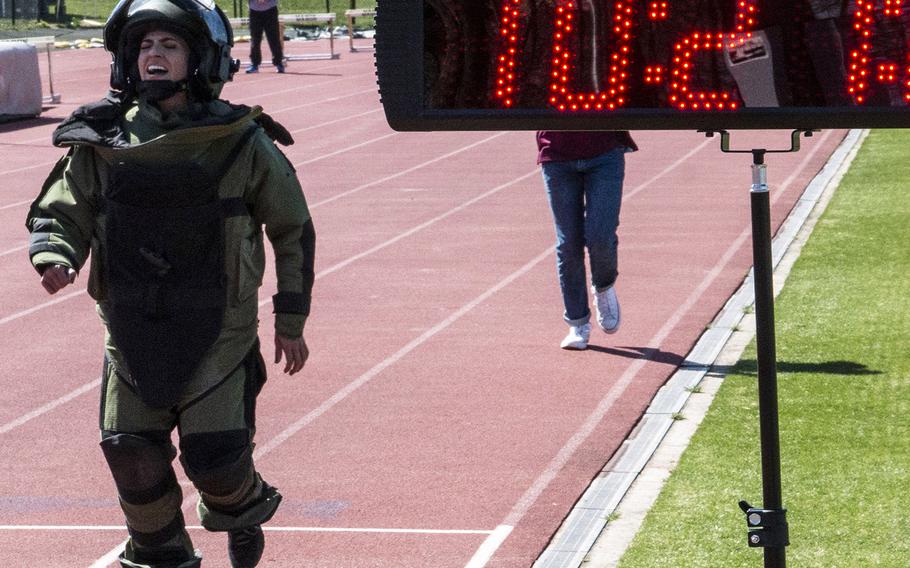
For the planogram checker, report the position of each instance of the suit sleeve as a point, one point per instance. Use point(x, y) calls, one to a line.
point(61, 220)
point(281, 207)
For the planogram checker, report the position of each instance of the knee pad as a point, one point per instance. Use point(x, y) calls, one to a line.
point(141, 466)
point(256, 512)
point(217, 463)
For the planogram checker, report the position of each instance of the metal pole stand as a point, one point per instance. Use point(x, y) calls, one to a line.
point(767, 526)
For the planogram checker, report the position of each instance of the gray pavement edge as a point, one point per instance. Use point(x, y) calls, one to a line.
point(606, 518)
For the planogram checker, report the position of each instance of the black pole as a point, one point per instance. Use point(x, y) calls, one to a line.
point(767, 525)
point(775, 556)
point(12, 8)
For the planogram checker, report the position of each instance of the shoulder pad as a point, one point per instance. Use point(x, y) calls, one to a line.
point(92, 123)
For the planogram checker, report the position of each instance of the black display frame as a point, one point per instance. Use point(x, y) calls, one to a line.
point(399, 69)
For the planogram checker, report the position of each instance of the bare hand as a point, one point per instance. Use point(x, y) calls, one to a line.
point(57, 277)
point(294, 350)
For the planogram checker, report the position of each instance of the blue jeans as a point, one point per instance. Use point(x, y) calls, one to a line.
point(585, 197)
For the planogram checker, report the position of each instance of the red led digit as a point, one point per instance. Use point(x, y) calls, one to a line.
point(506, 68)
point(887, 73)
point(613, 93)
point(682, 94)
point(859, 75)
point(654, 74)
point(893, 7)
point(657, 11)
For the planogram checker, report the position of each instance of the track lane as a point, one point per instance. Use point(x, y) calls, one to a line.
point(449, 434)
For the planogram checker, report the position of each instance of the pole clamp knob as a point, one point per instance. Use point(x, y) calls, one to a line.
point(767, 527)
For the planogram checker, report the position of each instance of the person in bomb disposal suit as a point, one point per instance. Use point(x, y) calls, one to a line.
point(169, 188)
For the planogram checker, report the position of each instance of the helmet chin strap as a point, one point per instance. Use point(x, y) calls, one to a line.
point(155, 91)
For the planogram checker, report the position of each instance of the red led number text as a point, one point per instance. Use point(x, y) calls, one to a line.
point(613, 94)
point(677, 75)
point(683, 95)
point(859, 72)
point(505, 78)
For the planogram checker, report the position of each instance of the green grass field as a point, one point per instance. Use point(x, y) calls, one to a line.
point(843, 329)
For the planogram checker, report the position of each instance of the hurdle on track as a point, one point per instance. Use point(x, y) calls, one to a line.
point(47, 42)
point(295, 19)
point(350, 15)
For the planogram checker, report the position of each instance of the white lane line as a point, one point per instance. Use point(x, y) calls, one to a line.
point(41, 306)
point(389, 242)
point(374, 530)
point(233, 85)
point(799, 169)
point(259, 96)
point(343, 150)
point(49, 406)
point(297, 131)
point(47, 137)
point(266, 528)
point(12, 250)
point(491, 544)
point(17, 204)
point(530, 496)
point(62, 527)
point(41, 165)
point(381, 246)
point(685, 158)
point(489, 547)
point(267, 447)
point(424, 225)
point(110, 557)
point(594, 419)
point(336, 121)
point(330, 100)
point(406, 171)
point(312, 206)
point(583, 533)
point(81, 390)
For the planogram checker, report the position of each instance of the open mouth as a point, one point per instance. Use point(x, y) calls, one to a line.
point(155, 70)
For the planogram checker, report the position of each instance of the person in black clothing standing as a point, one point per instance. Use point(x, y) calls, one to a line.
point(264, 17)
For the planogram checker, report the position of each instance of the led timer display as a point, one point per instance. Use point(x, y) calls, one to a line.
point(610, 85)
point(646, 63)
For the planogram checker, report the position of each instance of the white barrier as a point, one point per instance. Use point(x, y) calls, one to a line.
point(350, 15)
point(294, 19)
point(46, 42)
point(20, 84)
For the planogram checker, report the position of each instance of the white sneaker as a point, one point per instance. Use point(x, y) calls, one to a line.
point(577, 337)
point(607, 306)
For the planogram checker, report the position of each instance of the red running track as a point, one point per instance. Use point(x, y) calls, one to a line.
point(437, 422)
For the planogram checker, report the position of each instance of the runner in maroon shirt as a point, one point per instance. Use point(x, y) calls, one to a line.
point(583, 174)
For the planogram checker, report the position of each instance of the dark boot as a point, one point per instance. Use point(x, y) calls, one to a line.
point(245, 546)
point(169, 559)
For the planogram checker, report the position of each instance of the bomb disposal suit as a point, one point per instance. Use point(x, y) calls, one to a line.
point(171, 209)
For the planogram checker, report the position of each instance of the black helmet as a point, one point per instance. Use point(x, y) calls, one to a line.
point(200, 23)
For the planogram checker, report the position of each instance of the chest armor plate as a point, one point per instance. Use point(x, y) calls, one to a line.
point(164, 268)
